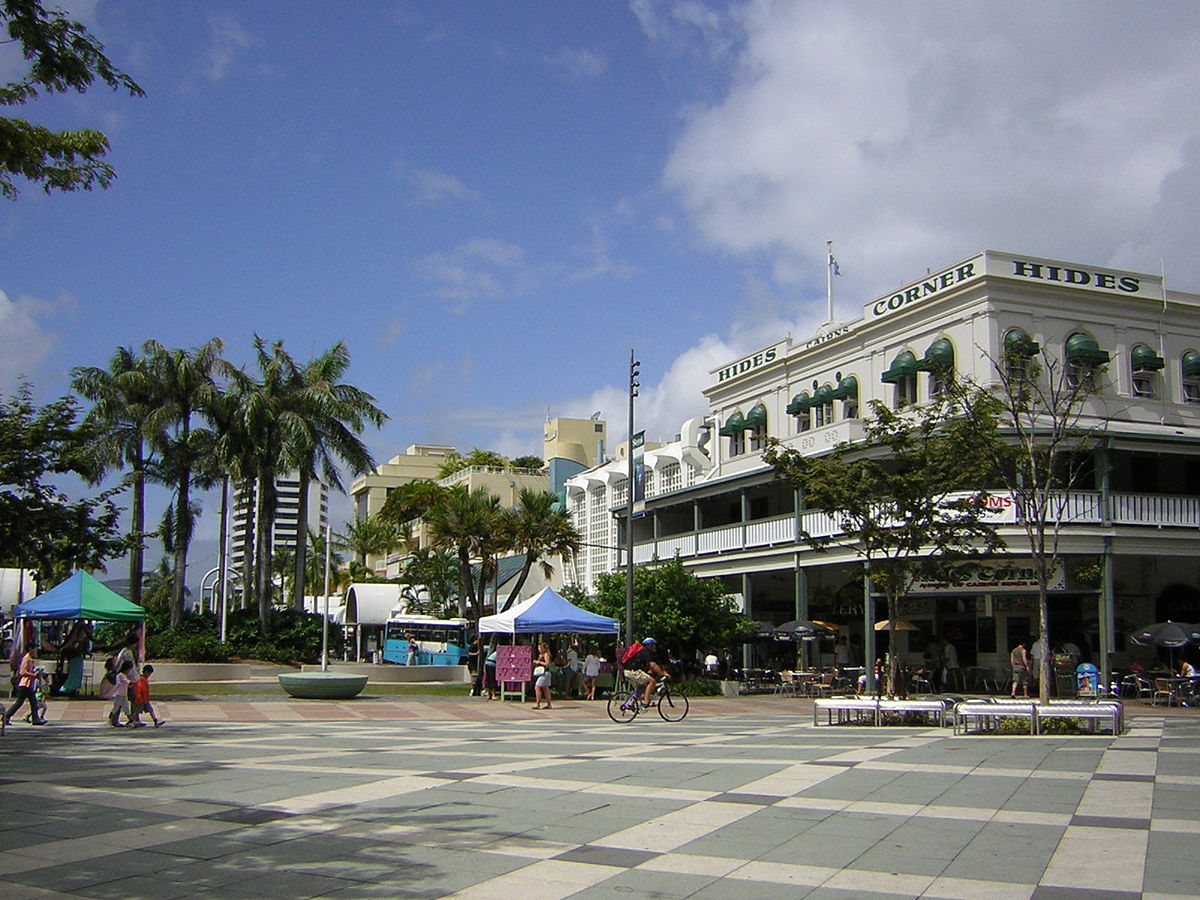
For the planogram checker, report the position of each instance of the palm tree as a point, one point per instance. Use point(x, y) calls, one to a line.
point(184, 389)
point(124, 416)
point(537, 528)
point(336, 414)
point(372, 536)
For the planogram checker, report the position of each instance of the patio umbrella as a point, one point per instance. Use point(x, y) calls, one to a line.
point(1164, 634)
point(901, 625)
point(799, 629)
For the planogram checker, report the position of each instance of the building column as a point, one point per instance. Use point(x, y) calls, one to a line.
point(801, 590)
point(1106, 614)
point(747, 649)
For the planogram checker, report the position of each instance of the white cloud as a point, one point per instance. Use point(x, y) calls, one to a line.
point(917, 133)
point(581, 65)
point(228, 40)
point(24, 343)
point(480, 269)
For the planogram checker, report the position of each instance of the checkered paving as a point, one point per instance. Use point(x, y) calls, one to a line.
point(758, 804)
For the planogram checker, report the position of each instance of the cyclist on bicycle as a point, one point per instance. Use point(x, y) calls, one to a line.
point(644, 671)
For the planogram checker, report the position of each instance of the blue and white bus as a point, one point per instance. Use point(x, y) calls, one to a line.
point(438, 642)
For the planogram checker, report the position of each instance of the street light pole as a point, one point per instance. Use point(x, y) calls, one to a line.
point(633, 392)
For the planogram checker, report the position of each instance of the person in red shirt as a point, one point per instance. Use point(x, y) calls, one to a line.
point(141, 699)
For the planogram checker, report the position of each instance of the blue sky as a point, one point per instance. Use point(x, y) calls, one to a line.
point(493, 202)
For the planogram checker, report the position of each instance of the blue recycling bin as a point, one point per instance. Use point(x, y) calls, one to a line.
point(1087, 680)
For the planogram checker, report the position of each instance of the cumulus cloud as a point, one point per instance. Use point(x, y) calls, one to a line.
point(24, 342)
point(917, 133)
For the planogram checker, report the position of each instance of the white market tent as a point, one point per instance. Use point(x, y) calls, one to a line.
point(547, 612)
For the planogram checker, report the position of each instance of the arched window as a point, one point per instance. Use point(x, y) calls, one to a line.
point(1084, 360)
point(939, 363)
point(822, 406)
point(1191, 376)
point(1145, 365)
point(756, 424)
point(735, 429)
point(799, 408)
point(1019, 349)
point(902, 374)
point(847, 392)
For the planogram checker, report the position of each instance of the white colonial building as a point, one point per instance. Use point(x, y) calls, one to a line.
point(712, 500)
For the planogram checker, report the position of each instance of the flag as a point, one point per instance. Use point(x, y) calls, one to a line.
point(833, 264)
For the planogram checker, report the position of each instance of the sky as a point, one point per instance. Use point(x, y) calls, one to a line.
point(493, 203)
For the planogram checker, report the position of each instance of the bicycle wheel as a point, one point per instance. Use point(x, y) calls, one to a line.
point(672, 707)
point(622, 708)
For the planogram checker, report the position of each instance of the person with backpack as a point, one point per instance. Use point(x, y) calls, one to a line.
point(641, 669)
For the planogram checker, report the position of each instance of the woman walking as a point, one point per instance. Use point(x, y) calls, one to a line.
point(26, 684)
point(541, 674)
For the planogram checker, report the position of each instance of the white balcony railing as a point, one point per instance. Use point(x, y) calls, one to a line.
point(1075, 508)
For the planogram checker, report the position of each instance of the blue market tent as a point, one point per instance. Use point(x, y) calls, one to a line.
point(547, 612)
point(80, 597)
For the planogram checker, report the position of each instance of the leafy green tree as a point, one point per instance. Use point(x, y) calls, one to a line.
point(314, 567)
point(456, 462)
point(683, 613)
point(63, 57)
point(469, 524)
point(184, 386)
point(528, 462)
point(125, 416)
point(540, 531)
point(1039, 404)
point(410, 501)
point(436, 570)
point(372, 536)
point(156, 586)
point(40, 528)
point(908, 501)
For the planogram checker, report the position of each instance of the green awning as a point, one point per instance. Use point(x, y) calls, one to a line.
point(734, 424)
point(847, 389)
point(1145, 359)
point(757, 417)
point(1082, 349)
point(1018, 343)
point(1191, 363)
point(939, 357)
point(822, 395)
point(800, 404)
point(903, 366)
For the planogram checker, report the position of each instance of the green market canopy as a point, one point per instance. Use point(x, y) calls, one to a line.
point(80, 597)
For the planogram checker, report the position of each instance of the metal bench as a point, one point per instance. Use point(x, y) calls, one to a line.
point(986, 715)
point(859, 709)
point(1100, 712)
point(847, 709)
point(935, 708)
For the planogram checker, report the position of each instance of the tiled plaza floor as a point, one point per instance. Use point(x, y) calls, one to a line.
point(744, 799)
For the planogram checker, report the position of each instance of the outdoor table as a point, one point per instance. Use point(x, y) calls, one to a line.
point(1186, 690)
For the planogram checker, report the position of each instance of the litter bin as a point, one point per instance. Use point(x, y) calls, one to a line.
point(1087, 680)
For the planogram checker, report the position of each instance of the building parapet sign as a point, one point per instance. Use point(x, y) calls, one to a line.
point(993, 577)
point(1021, 268)
point(749, 363)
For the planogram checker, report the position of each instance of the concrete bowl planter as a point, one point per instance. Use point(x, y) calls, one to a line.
point(322, 685)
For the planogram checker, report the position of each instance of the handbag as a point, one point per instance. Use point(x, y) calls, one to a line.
point(539, 671)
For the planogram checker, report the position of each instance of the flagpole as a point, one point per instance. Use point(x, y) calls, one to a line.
point(829, 281)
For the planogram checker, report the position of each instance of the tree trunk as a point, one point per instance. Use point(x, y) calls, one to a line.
point(1045, 665)
point(183, 528)
point(301, 549)
point(263, 521)
point(137, 515)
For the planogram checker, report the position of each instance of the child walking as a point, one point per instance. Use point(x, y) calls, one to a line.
point(141, 698)
point(121, 688)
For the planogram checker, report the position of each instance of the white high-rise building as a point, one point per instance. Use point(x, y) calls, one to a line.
point(287, 511)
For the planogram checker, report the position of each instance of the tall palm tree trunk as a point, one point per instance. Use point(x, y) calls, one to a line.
point(137, 525)
point(183, 534)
